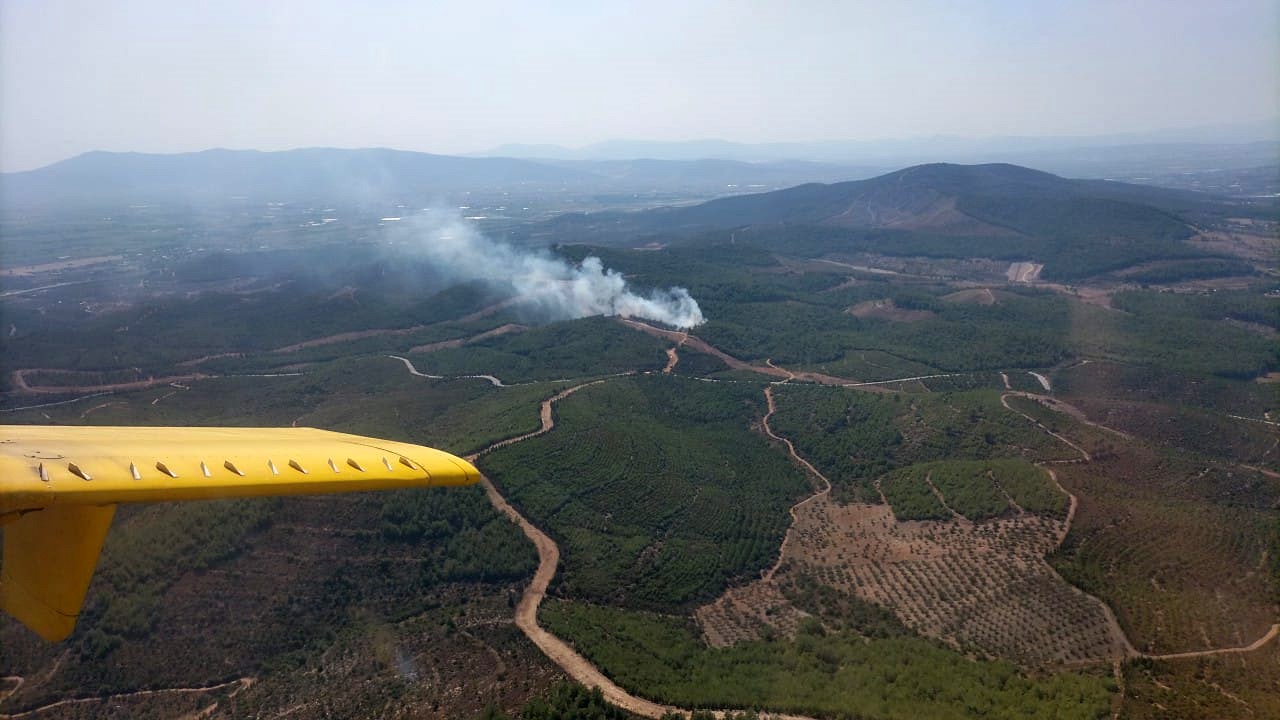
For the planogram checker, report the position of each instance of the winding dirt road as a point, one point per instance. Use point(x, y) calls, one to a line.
point(791, 450)
point(558, 651)
point(1071, 513)
point(240, 683)
point(408, 364)
point(22, 387)
point(1271, 635)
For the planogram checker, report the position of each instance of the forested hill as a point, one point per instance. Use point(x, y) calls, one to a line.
point(996, 210)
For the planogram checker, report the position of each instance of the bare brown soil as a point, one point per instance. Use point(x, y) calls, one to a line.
point(885, 309)
point(346, 337)
point(698, 344)
point(206, 358)
point(1024, 272)
point(459, 342)
point(976, 296)
point(492, 309)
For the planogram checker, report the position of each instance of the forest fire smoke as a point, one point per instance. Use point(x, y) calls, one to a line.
point(562, 290)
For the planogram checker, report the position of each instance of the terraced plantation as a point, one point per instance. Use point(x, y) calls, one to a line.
point(818, 673)
point(656, 488)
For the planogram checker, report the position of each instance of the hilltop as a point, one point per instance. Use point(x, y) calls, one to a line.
point(996, 211)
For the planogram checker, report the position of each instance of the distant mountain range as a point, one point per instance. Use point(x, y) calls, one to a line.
point(378, 175)
point(696, 169)
point(1119, 156)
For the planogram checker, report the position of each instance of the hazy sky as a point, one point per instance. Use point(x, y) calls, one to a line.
point(463, 76)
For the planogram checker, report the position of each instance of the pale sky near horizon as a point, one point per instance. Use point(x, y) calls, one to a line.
point(453, 77)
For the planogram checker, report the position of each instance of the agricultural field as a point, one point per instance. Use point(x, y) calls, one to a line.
point(972, 489)
point(951, 552)
point(657, 489)
point(855, 438)
point(819, 673)
point(1179, 549)
point(979, 587)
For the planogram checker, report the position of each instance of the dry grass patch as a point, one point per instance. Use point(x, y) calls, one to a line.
point(885, 309)
point(972, 296)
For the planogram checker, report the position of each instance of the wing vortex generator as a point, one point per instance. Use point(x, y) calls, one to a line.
point(59, 487)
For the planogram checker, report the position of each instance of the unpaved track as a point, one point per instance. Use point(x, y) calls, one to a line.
point(702, 346)
point(23, 388)
point(17, 681)
point(558, 651)
point(672, 358)
point(408, 364)
point(1084, 454)
point(1071, 513)
point(463, 341)
point(1271, 635)
point(791, 450)
point(1112, 621)
point(347, 337)
point(241, 684)
point(784, 375)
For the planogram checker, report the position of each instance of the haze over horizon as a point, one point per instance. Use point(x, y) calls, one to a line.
point(156, 77)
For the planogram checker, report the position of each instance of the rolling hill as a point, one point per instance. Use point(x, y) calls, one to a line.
point(375, 175)
point(941, 210)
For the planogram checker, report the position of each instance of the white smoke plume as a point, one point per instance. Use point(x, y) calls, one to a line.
point(562, 290)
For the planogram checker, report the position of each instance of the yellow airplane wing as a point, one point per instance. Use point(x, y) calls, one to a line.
point(59, 487)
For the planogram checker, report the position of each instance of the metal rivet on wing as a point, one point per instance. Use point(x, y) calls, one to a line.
point(165, 469)
point(231, 466)
point(354, 464)
point(297, 466)
point(204, 469)
point(75, 470)
point(271, 464)
point(133, 470)
point(333, 465)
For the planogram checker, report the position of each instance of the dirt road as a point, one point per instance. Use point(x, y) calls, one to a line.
point(1271, 635)
point(558, 651)
point(346, 337)
point(463, 341)
point(791, 450)
point(22, 387)
point(769, 369)
point(408, 364)
point(1071, 512)
point(240, 684)
point(1113, 623)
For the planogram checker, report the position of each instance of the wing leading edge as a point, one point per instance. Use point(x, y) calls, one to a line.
point(59, 487)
